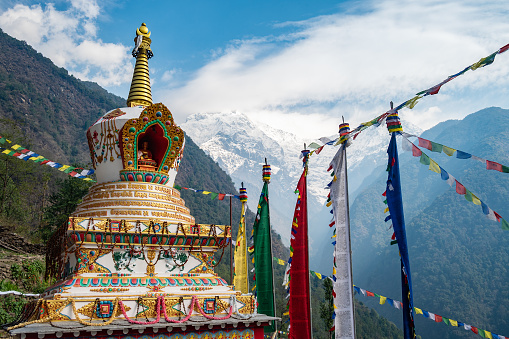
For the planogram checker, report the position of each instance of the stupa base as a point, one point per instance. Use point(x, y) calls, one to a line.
point(197, 328)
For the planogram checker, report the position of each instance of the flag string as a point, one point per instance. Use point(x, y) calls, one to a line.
point(398, 305)
point(213, 195)
point(410, 103)
point(25, 154)
point(449, 151)
point(460, 188)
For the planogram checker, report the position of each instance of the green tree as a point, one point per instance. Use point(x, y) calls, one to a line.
point(63, 203)
point(327, 307)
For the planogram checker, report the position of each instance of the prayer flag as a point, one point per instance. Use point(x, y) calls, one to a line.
point(342, 286)
point(263, 258)
point(460, 189)
point(395, 205)
point(240, 280)
point(425, 143)
point(447, 150)
point(433, 166)
point(299, 301)
point(491, 165)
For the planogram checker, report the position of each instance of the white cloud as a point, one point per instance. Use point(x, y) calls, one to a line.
point(168, 75)
point(354, 64)
point(69, 38)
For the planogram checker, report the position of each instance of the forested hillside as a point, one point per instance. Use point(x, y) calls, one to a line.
point(457, 255)
point(46, 110)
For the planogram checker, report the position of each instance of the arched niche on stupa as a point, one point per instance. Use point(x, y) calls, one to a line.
point(151, 145)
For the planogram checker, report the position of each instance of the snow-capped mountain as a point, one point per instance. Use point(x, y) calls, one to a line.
point(240, 146)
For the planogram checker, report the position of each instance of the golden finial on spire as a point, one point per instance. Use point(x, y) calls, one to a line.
point(140, 93)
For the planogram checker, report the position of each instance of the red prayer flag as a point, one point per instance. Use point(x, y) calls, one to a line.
point(503, 49)
point(416, 152)
point(475, 330)
point(318, 150)
point(491, 165)
point(438, 318)
point(497, 216)
point(299, 301)
point(434, 90)
point(425, 143)
point(460, 189)
point(220, 196)
point(370, 294)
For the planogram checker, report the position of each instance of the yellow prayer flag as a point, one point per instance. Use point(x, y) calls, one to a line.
point(417, 310)
point(433, 166)
point(333, 236)
point(334, 270)
point(240, 281)
point(319, 275)
point(281, 262)
point(286, 313)
point(447, 150)
point(475, 200)
point(329, 203)
point(412, 102)
point(291, 254)
point(382, 299)
point(252, 260)
point(254, 287)
point(206, 192)
point(335, 178)
point(453, 322)
point(63, 168)
point(488, 334)
point(386, 210)
point(15, 146)
point(6, 151)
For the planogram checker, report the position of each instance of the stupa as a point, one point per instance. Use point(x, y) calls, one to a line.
point(132, 262)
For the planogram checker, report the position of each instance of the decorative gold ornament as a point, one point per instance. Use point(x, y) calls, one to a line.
point(156, 126)
point(86, 260)
point(90, 310)
point(109, 289)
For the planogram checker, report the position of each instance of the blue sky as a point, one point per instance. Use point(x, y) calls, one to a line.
point(297, 65)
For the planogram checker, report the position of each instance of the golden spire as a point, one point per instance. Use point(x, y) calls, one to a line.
point(140, 93)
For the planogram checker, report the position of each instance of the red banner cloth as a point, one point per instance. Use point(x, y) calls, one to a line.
point(299, 303)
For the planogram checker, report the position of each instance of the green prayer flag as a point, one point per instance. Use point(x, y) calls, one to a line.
point(435, 147)
point(2, 140)
point(177, 187)
point(445, 320)
point(505, 224)
point(481, 333)
point(314, 145)
point(505, 169)
point(213, 195)
point(468, 195)
point(263, 259)
point(424, 159)
point(69, 170)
